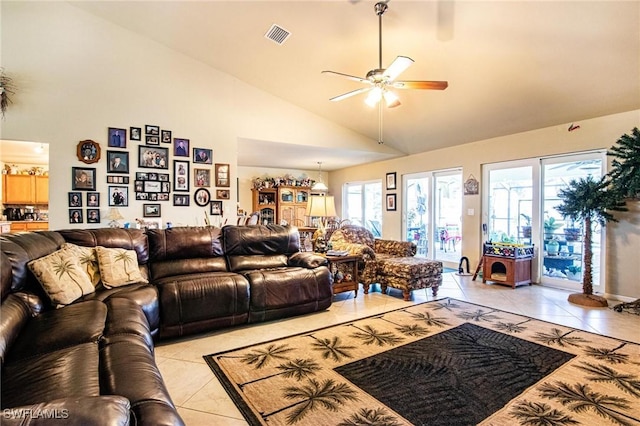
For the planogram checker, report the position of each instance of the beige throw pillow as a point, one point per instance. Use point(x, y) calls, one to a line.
point(61, 277)
point(118, 267)
point(88, 260)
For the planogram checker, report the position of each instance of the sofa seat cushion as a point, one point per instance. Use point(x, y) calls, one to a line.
point(69, 372)
point(128, 368)
point(61, 328)
point(181, 299)
point(407, 267)
point(80, 411)
point(14, 316)
point(288, 291)
point(144, 295)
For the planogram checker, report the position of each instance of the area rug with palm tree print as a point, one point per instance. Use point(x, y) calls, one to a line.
point(444, 362)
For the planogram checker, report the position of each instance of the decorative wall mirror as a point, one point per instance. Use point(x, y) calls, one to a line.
point(88, 151)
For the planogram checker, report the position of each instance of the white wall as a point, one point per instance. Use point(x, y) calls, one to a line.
point(77, 75)
point(623, 240)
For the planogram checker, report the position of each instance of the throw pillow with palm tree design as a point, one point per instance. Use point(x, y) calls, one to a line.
point(118, 267)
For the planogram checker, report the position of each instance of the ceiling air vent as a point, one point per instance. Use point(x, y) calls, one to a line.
point(277, 34)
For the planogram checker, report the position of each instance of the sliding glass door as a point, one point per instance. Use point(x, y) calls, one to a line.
point(519, 207)
point(363, 205)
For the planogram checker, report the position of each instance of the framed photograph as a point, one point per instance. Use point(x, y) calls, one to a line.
point(165, 187)
point(391, 181)
point(222, 175)
point(142, 175)
point(135, 133)
point(118, 179)
point(75, 199)
point(391, 202)
point(215, 208)
point(202, 197)
point(153, 157)
point(202, 155)
point(180, 200)
point(163, 177)
point(152, 140)
point(93, 199)
point(93, 215)
point(118, 196)
point(166, 136)
point(152, 176)
point(180, 175)
point(142, 196)
point(75, 216)
point(88, 151)
point(202, 177)
point(118, 162)
point(181, 147)
point(83, 178)
point(117, 138)
point(151, 210)
point(222, 194)
point(163, 196)
point(152, 130)
point(151, 186)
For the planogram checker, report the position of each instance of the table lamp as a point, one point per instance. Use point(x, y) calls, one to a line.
point(321, 207)
point(114, 216)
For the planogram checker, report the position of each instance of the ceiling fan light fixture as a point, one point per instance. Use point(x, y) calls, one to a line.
point(373, 97)
point(391, 99)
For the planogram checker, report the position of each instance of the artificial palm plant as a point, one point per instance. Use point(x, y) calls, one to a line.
point(625, 168)
point(588, 200)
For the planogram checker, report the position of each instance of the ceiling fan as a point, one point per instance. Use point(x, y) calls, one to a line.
point(380, 80)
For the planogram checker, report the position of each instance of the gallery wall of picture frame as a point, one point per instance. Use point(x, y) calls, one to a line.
point(159, 183)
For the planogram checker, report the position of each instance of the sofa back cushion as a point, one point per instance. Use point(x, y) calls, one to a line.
point(129, 239)
point(185, 250)
point(260, 240)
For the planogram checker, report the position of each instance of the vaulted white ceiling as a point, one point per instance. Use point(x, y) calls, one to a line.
point(512, 66)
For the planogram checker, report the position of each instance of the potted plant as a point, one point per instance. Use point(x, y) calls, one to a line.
point(552, 246)
point(587, 200)
point(572, 233)
point(526, 228)
point(550, 227)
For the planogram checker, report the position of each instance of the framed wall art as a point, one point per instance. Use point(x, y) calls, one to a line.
point(83, 178)
point(222, 194)
point(93, 199)
point(152, 140)
point(391, 181)
point(120, 180)
point(180, 200)
point(391, 202)
point(117, 138)
point(202, 197)
point(152, 130)
point(222, 175)
point(151, 210)
point(135, 133)
point(93, 215)
point(153, 157)
point(202, 177)
point(118, 196)
point(166, 136)
point(180, 175)
point(117, 162)
point(181, 147)
point(88, 151)
point(202, 155)
point(75, 199)
point(75, 216)
point(215, 208)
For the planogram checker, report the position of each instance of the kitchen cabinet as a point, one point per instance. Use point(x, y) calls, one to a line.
point(25, 189)
point(26, 225)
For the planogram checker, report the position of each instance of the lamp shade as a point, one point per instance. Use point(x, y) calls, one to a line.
point(321, 206)
point(114, 214)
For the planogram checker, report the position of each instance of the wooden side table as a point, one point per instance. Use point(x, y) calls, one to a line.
point(345, 264)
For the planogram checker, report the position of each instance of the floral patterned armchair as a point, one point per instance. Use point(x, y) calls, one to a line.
point(388, 262)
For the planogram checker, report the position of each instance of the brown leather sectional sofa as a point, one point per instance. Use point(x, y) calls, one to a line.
point(92, 361)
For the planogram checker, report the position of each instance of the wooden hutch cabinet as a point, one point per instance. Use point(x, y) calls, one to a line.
point(284, 203)
point(25, 189)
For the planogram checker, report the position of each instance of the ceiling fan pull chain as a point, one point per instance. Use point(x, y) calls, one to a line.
point(380, 142)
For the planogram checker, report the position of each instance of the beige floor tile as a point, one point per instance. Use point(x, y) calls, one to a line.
point(199, 418)
point(184, 378)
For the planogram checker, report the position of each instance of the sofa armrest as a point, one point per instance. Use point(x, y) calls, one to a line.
point(81, 411)
point(395, 248)
point(355, 249)
point(307, 260)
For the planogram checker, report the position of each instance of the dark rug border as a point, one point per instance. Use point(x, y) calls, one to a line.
point(254, 421)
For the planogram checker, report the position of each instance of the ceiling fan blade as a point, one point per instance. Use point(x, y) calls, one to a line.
point(426, 85)
point(350, 77)
point(399, 64)
point(349, 94)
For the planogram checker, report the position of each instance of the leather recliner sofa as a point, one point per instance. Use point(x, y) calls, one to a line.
point(91, 362)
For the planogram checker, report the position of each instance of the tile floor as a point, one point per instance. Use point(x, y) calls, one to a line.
point(201, 400)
